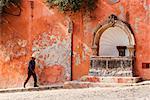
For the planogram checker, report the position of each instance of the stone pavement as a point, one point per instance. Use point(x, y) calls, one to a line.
point(141, 92)
point(74, 85)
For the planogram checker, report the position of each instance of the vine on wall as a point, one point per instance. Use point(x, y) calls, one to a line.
point(4, 4)
point(73, 5)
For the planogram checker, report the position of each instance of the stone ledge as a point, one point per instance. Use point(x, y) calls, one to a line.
point(110, 79)
point(78, 84)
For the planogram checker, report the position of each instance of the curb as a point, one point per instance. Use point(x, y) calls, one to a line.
point(12, 90)
point(143, 83)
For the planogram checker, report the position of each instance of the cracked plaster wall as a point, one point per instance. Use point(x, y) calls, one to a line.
point(39, 29)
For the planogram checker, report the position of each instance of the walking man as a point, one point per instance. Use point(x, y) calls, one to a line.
point(31, 71)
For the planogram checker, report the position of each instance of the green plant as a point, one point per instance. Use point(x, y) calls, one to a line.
point(73, 5)
point(7, 3)
point(91, 5)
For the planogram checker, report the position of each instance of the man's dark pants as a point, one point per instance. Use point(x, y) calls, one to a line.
point(30, 73)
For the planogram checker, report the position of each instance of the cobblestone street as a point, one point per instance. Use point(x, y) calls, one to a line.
point(109, 93)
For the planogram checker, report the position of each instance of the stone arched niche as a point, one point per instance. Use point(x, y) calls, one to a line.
point(113, 49)
point(114, 24)
point(110, 39)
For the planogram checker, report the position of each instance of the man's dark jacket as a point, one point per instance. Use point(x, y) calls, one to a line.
point(31, 66)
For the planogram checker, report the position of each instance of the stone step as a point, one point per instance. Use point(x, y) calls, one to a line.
point(79, 84)
point(110, 79)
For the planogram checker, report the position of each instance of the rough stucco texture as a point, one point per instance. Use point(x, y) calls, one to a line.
point(41, 30)
point(44, 30)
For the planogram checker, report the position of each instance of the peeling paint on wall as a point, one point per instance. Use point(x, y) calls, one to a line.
point(82, 52)
point(14, 48)
point(112, 1)
point(136, 25)
point(54, 49)
point(122, 15)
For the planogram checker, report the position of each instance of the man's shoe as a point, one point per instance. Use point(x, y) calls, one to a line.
point(36, 86)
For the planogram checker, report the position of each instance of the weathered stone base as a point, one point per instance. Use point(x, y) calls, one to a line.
point(78, 84)
point(96, 81)
point(110, 79)
point(111, 66)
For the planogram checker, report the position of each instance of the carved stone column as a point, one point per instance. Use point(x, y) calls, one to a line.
point(94, 50)
point(131, 50)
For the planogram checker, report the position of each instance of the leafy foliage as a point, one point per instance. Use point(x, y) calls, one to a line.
point(6, 3)
point(91, 4)
point(73, 5)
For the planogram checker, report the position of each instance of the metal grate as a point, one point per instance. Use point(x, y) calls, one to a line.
point(145, 65)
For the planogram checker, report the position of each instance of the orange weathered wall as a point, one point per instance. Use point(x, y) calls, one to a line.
point(38, 29)
point(46, 31)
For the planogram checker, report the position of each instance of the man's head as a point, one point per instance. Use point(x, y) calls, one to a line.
point(33, 56)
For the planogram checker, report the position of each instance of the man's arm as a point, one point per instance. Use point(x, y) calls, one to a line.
point(31, 70)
